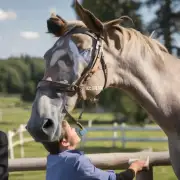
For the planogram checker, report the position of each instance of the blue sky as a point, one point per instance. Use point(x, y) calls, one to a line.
point(23, 25)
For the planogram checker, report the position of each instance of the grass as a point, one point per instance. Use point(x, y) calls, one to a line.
point(13, 115)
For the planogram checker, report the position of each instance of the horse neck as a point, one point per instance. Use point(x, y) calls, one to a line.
point(137, 82)
point(139, 76)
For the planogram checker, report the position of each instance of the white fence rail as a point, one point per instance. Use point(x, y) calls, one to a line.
point(115, 129)
point(115, 161)
point(123, 138)
point(20, 132)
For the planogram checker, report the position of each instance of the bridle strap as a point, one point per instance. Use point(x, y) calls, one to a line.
point(73, 119)
point(58, 86)
point(97, 58)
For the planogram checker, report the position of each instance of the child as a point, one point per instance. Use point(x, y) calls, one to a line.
point(72, 164)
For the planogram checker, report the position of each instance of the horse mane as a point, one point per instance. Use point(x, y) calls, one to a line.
point(147, 44)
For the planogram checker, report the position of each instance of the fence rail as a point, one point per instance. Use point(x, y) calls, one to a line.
point(114, 161)
point(114, 138)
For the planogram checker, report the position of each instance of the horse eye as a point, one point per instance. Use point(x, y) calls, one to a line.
point(69, 63)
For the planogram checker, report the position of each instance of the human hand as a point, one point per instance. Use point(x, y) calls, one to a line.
point(137, 165)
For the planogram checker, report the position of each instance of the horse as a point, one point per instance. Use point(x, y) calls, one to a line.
point(90, 56)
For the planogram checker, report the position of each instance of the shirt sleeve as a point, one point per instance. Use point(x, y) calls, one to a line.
point(86, 170)
point(129, 174)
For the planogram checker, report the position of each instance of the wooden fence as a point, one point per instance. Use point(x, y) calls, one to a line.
point(114, 138)
point(106, 161)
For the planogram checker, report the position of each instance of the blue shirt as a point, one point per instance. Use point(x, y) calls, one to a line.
point(74, 165)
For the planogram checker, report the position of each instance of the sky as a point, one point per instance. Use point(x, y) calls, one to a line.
point(23, 25)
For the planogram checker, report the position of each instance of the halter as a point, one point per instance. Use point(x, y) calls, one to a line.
point(97, 58)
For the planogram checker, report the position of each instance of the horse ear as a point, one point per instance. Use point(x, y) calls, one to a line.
point(88, 18)
point(56, 25)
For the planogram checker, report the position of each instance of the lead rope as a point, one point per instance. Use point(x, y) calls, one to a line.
point(79, 118)
point(83, 108)
point(105, 71)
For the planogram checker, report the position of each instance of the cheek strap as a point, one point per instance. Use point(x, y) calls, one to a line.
point(80, 130)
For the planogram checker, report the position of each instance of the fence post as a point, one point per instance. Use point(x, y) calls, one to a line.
point(10, 140)
point(145, 174)
point(82, 142)
point(123, 134)
point(90, 123)
point(114, 135)
point(21, 139)
point(1, 115)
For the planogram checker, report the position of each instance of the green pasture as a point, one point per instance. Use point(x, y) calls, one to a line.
point(14, 112)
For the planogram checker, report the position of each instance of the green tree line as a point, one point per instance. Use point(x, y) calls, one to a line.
point(20, 75)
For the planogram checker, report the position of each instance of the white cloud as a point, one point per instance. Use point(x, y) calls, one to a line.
point(30, 35)
point(7, 15)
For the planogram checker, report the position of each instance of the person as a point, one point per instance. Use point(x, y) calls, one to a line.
point(3, 156)
point(72, 164)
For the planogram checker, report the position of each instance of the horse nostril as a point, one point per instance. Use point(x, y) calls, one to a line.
point(48, 128)
point(48, 125)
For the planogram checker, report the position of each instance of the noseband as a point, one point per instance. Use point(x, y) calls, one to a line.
point(97, 58)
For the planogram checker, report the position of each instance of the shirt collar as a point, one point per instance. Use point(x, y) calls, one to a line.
point(73, 151)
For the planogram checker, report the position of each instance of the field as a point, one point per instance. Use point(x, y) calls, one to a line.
point(12, 115)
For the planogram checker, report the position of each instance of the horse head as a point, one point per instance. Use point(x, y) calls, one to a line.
point(76, 68)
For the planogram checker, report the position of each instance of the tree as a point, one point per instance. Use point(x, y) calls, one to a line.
point(21, 75)
point(28, 93)
point(3, 77)
point(166, 22)
point(107, 10)
point(21, 67)
point(14, 82)
point(36, 67)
